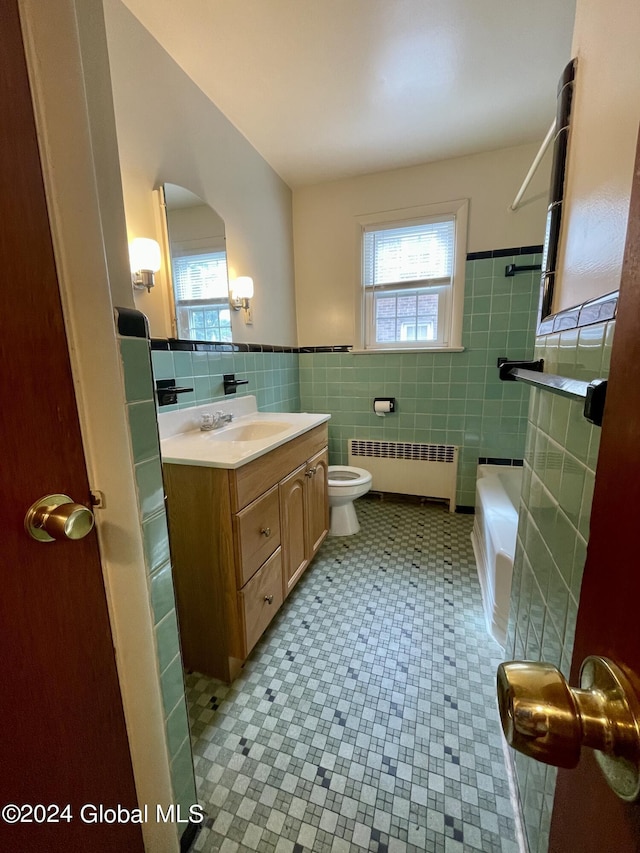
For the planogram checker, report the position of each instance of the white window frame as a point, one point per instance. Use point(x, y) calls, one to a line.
point(451, 339)
point(185, 252)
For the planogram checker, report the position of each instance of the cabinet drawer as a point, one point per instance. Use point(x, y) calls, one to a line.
point(257, 530)
point(260, 600)
point(250, 480)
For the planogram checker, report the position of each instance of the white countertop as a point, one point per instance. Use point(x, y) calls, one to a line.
point(182, 442)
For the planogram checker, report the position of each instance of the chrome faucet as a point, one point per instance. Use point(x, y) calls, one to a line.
point(215, 420)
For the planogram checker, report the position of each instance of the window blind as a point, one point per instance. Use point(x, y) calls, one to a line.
point(202, 276)
point(420, 252)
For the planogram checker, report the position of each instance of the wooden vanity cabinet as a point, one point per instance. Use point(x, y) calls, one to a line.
point(240, 541)
point(304, 516)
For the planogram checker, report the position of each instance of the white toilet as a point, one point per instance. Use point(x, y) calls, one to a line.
point(345, 485)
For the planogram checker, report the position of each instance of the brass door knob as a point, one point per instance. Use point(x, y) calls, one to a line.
point(266, 531)
point(546, 719)
point(269, 599)
point(58, 517)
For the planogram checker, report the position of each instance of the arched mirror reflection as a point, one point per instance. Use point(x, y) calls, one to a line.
point(198, 267)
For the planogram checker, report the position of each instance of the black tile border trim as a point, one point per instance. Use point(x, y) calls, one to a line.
point(131, 323)
point(462, 509)
point(496, 460)
point(189, 836)
point(505, 253)
point(179, 345)
point(597, 310)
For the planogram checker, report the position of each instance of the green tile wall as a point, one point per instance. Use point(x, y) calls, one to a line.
point(273, 377)
point(443, 398)
point(559, 470)
point(136, 366)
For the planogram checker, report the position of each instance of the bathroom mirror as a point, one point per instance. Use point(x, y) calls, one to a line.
point(197, 246)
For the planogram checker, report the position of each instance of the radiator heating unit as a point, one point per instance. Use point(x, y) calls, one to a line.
point(408, 468)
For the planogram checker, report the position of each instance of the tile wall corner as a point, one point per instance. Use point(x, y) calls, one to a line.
point(560, 459)
point(141, 411)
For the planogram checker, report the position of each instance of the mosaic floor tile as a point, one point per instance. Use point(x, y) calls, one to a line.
point(365, 718)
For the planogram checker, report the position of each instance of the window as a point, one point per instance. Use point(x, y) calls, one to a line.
point(202, 296)
point(411, 281)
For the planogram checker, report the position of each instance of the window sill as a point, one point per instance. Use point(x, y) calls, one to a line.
point(355, 351)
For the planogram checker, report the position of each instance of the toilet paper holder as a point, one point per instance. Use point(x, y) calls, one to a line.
point(384, 405)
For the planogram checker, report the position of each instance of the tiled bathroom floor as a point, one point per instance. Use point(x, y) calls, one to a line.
point(365, 718)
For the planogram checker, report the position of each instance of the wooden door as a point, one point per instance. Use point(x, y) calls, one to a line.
point(317, 501)
point(64, 741)
point(293, 527)
point(587, 815)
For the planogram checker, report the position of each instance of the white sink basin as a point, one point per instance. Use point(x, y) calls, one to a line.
point(252, 431)
point(251, 435)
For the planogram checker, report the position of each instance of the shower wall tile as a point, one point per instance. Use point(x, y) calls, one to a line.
point(143, 429)
point(559, 470)
point(150, 486)
point(273, 377)
point(156, 541)
point(167, 639)
point(172, 685)
point(162, 593)
point(442, 398)
point(141, 410)
point(136, 368)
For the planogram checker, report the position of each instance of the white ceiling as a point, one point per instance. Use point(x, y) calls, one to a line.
point(325, 89)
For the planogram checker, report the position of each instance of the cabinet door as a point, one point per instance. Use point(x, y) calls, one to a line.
point(293, 526)
point(317, 501)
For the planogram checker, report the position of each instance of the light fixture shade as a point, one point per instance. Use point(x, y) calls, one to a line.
point(242, 287)
point(144, 254)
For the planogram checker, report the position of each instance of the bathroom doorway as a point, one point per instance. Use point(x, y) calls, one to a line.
point(65, 737)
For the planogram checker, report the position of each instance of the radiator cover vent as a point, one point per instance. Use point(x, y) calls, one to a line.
point(403, 450)
point(408, 468)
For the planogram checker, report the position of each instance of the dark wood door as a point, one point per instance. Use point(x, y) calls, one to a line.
point(587, 815)
point(63, 740)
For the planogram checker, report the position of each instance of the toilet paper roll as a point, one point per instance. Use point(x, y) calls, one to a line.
point(382, 407)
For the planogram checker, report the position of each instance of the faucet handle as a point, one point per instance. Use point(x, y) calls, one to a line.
point(206, 421)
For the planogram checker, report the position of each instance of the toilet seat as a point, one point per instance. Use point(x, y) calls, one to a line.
point(344, 476)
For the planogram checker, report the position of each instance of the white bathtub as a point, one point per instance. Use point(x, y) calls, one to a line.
point(494, 541)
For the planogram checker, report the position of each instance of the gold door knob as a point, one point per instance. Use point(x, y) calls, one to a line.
point(546, 719)
point(269, 599)
point(58, 517)
point(266, 531)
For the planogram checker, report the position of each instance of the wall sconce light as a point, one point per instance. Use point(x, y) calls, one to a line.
point(240, 294)
point(144, 256)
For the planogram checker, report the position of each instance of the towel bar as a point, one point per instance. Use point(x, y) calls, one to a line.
point(592, 394)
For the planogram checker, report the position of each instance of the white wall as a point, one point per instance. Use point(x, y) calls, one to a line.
point(325, 232)
point(168, 131)
point(196, 227)
point(604, 129)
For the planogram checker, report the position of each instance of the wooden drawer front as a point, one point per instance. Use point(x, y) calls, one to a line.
point(260, 600)
point(257, 530)
point(252, 479)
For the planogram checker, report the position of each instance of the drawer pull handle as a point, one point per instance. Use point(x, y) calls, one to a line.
point(310, 472)
point(268, 599)
point(266, 531)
